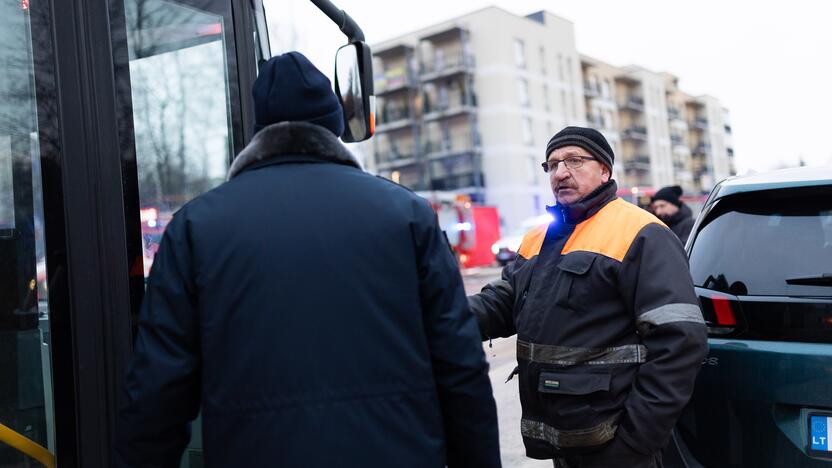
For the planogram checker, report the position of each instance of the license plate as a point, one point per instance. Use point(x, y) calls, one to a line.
point(820, 434)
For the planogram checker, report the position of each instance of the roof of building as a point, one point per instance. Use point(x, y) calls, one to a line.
point(455, 21)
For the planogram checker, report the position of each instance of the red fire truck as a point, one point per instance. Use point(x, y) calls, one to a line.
point(471, 228)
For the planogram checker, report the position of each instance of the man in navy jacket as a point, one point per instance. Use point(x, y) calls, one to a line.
point(312, 311)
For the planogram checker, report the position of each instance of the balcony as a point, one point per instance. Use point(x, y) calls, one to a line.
point(591, 91)
point(594, 121)
point(457, 144)
point(395, 80)
point(411, 176)
point(635, 133)
point(638, 163)
point(632, 103)
point(457, 182)
point(452, 32)
point(702, 171)
point(700, 123)
point(450, 107)
point(394, 117)
point(677, 140)
point(635, 168)
point(443, 67)
point(702, 148)
point(395, 156)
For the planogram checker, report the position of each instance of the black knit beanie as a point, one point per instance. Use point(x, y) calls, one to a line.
point(669, 194)
point(586, 138)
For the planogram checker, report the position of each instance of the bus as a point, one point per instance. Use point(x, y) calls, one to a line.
point(113, 114)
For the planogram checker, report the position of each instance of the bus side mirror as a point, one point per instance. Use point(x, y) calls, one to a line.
point(354, 87)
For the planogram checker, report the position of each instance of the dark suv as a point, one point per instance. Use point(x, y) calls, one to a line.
point(761, 259)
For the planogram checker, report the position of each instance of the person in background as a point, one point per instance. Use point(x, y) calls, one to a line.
point(668, 207)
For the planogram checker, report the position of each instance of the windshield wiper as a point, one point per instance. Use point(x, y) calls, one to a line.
point(824, 279)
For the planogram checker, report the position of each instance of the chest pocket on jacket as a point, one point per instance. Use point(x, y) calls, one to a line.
point(575, 278)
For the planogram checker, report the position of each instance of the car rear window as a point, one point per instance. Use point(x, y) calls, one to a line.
point(751, 244)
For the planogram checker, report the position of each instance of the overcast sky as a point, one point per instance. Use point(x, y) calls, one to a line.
point(769, 62)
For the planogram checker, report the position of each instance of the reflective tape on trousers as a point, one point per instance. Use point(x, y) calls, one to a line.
point(560, 438)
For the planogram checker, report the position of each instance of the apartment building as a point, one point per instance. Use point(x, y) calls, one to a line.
point(665, 136)
point(467, 106)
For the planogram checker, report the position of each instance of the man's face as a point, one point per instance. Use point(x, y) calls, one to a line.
point(664, 210)
point(572, 185)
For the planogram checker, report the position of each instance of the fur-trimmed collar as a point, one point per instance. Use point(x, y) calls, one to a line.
point(292, 139)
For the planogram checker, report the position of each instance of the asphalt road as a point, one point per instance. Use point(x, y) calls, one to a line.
point(500, 354)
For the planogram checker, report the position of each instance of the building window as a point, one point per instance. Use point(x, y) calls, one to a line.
point(526, 131)
point(523, 92)
point(605, 88)
point(608, 120)
point(533, 170)
point(595, 118)
point(593, 83)
point(569, 69)
point(543, 60)
point(546, 104)
point(560, 66)
point(519, 53)
point(574, 103)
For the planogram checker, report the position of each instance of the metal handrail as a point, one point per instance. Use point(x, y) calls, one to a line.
point(26, 446)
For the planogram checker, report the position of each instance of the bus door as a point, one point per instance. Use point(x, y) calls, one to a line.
point(185, 93)
point(26, 404)
point(113, 114)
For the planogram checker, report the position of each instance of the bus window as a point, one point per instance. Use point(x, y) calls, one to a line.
point(181, 105)
point(25, 361)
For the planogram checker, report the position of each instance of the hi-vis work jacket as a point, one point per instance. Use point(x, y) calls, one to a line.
point(609, 332)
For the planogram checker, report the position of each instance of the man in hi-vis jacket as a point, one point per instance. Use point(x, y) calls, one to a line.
point(609, 332)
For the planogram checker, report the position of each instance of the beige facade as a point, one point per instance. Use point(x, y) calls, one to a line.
point(664, 136)
point(482, 95)
point(467, 106)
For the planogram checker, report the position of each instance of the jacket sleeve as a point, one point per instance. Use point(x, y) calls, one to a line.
point(459, 365)
point(656, 285)
point(494, 305)
point(162, 389)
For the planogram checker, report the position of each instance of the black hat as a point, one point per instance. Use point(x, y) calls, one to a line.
point(586, 138)
point(290, 89)
point(669, 194)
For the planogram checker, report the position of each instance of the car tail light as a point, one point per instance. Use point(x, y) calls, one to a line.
point(719, 310)
point(724, 312)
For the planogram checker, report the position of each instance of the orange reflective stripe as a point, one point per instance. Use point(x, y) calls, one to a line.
point(532, 242)
point(611, 231)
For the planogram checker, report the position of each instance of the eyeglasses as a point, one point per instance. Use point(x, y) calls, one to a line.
point(572, 162)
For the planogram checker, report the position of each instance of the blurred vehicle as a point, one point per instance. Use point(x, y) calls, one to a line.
point(471, 228)
point(505, 249)
point(153, 227)
point(761, 260)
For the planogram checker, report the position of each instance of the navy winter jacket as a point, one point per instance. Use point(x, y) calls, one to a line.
point(316, 316)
